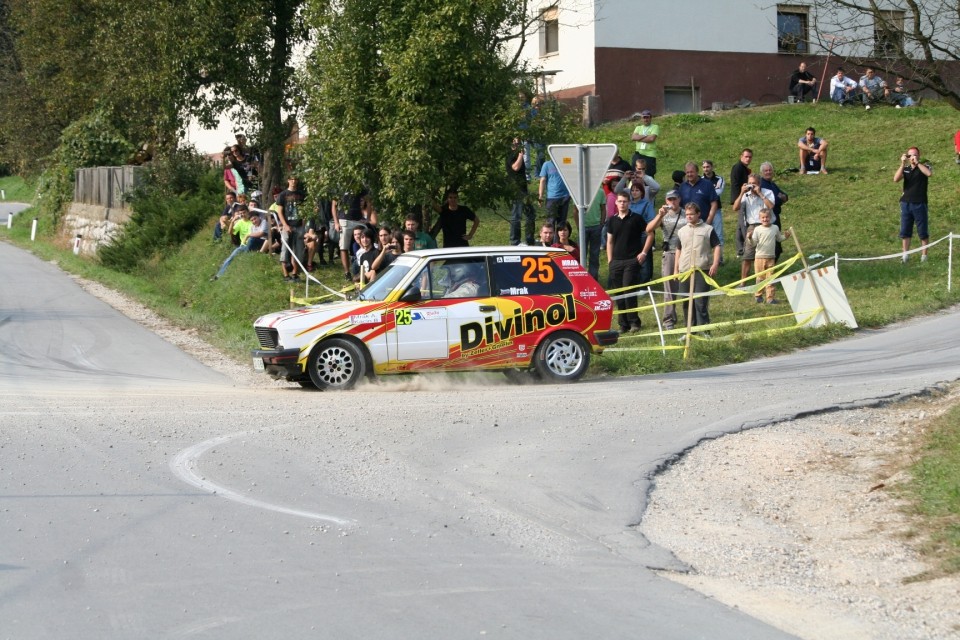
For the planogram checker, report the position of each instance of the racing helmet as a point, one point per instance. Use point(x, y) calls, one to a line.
point(460, 271)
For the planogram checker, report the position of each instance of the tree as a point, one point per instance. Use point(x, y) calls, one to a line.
point(408, 97)
point(918, 39)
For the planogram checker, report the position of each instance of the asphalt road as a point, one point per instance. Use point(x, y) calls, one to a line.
point(8, 208)
point(144, 495)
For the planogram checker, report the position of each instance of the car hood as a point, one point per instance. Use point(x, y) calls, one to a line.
point(294, 319)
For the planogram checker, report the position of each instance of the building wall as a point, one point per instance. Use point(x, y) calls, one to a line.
point(629, 80)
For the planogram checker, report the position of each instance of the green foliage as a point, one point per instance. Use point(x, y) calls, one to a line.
point(412, 97)
point(688, 120)
point(935, 488)
point(175, 200)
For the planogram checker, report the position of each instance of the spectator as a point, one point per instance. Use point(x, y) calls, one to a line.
point(813, 152)
point(592, 226)
point(618, 163)
point(409, 240)
point(765, 239)
point(802, 82)
point(564, 242)
point(230, 201)
point(913, 202)
point(899, 96)
point(422, 240)
point(628, 252)
point(696, 242)
point(520, 207)
point(843, 90)
point(366, 255)
point(348, 213)
point(640, 205)
point(254, 231)
point(645, 135)
point(738, 177)
point(718, 185)
point(699, 190)
point(292, 219)
point(232, 180)
point(639, 175)
point(956, 144)
point(389, 250)
point(751, 199)
point(780, 198)
point(873, 90)
point(452, 221)
point(552, 186)
point(546, 235)
point(670, 218)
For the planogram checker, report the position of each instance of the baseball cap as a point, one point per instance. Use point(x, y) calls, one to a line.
point(646, 112)
point(673, 194)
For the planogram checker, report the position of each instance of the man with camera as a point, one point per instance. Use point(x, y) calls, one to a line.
point(913, 202)
point(670, 218)
point(750, 200)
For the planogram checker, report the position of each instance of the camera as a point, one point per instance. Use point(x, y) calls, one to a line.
point(665, 246)
point(749, 188)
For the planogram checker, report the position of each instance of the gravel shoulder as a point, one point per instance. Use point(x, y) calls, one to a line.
point(795, 523)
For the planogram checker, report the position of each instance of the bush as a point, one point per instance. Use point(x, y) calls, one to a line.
point(177, 197)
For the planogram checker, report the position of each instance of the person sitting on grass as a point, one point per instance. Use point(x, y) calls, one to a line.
point(253, 231)
point(813, 152)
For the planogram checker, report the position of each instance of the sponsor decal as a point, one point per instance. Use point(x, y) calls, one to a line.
point(569, 263)
point(588, 293)
point(366, 318)
point(515, 291)
point(602, 305)
point(429, 314)
point(509, 259)
point(491, 332)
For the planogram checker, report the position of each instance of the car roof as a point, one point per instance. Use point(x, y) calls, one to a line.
point(482, 251)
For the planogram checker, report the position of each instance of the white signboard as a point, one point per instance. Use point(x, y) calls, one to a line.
point(799, 289)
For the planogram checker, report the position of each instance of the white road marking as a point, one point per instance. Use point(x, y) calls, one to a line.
point(184, 466)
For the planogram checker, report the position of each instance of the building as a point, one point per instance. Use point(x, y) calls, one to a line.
point(677, 56)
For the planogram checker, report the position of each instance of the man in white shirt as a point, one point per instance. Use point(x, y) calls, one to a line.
point(843, 90)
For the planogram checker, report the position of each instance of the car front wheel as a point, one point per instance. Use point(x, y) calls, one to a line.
point(336, 364)
point(562, 357)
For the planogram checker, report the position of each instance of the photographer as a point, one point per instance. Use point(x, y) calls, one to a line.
point(913, 202)
point(670, 218)
point(389, 250)
point(747, 205)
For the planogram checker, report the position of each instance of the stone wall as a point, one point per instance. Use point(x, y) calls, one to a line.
point(94, 224)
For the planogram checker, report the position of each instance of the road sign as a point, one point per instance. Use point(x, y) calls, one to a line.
point(582, 167)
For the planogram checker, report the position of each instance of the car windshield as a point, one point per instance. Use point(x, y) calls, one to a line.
point(387, 280)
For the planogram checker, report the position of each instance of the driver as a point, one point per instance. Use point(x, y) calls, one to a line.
point(464, 281)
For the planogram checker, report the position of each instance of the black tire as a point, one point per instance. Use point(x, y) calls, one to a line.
point(306, 383)
point(563, 356)
point(336, 364)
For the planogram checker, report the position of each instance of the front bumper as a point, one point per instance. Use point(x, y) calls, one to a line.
point(278, 363)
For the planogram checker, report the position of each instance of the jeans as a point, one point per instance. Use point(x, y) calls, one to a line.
point(518, 210)
point(842, 97)
point(557, 209)
point(591, 244)
point(718, 225)
point(252, 244)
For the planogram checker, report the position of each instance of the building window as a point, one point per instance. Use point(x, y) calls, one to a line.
point(792, 34)
point(888, 34)
point(549, 31)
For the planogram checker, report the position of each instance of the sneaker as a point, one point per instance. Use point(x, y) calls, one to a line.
point(758, 300)
point(347, 276)
point(904, 258)
point(867, 108)
point(898, 106)
point(773, 302)
point(635, 328)
point(923, 257)
point(214, 278)
point(626, 329)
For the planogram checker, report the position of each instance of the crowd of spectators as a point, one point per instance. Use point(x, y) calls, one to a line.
point(622, 222)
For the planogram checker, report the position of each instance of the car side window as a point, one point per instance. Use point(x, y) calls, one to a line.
point(520, 275)
point(460, 278)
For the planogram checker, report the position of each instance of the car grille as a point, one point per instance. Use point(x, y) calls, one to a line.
point(267, 337)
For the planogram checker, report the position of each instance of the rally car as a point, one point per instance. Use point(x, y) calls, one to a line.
point(523, 310)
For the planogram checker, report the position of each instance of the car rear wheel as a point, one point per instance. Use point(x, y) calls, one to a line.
point(336, 364)
point(562, 357)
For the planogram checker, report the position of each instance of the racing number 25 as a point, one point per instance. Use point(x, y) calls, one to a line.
point(537, 269)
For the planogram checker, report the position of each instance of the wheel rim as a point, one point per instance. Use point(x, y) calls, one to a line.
point(336, 366)
point(564, 357)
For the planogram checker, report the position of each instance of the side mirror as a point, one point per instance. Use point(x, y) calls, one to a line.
point(412, 294)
